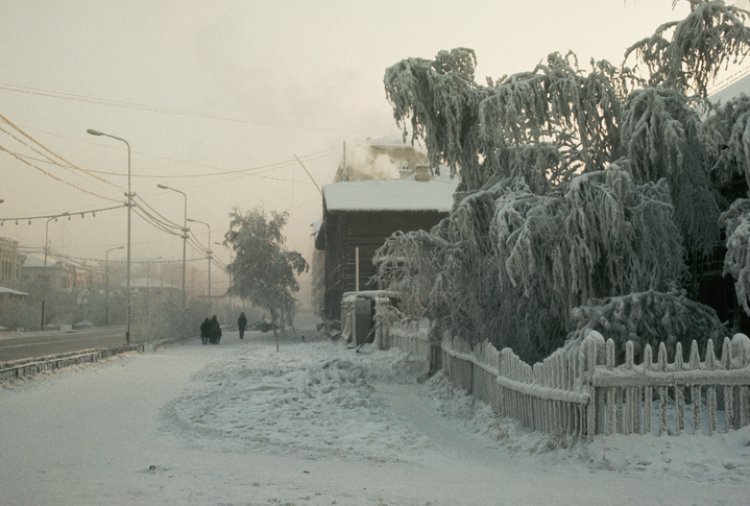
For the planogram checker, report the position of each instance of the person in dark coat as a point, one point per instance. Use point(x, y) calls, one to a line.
point(242, 324)
point(214, 332)
point(205, 328)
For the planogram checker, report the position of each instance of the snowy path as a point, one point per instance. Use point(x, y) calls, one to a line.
point(313, 424)
point(448, 440)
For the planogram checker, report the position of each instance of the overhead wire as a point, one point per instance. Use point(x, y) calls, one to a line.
point(71, 165)
point(259, 176)
point(72, 213)
point(157, 213)
point(55, 177)
point(139, 212)
point(94, 99)
point(219, 171)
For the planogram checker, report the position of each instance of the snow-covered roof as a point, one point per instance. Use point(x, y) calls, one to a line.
point(737, 87)
point(10, 291)
point(33, 261)
point(369, 294)
point(391, 195)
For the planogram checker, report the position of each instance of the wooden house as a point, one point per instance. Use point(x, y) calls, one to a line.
point(358, 216)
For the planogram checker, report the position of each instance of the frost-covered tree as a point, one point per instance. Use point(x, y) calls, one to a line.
point(577, 185)
point(263, 271)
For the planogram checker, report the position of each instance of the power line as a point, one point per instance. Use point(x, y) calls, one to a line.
point(56, 178)
point(218, 170)
point(48, 150)
point(93, 99)
point(92, 212)
point(276, 165)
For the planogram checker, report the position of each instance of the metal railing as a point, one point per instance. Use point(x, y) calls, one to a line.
point(26, 368)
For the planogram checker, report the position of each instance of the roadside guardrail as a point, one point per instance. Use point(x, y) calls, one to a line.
point(28, 367)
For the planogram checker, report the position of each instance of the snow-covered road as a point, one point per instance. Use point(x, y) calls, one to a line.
point(317, 423)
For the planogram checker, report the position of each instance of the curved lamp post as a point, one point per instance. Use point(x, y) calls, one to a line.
point(129, 195)
point(209, 254)
point(184, 241)
point(46, 252)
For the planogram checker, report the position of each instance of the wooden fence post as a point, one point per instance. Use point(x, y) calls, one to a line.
point(711, 390)
point(648, 391)
point(679, 392)
point(661, 361)
point(695, 390)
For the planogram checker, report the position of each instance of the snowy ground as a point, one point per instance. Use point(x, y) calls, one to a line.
point(317, 423)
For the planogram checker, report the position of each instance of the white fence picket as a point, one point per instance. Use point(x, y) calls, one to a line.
point(679, 392)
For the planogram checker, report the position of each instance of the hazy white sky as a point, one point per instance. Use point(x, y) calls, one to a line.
point(218, 86)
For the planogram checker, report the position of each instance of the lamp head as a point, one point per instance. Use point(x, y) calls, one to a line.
point(163, 187)
point(91, 131)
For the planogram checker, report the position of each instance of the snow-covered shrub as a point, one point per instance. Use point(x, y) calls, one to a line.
point(649, 317)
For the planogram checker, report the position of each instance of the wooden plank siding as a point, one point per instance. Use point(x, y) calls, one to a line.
point(346, 230)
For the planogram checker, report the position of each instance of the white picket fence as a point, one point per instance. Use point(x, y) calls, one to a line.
point(580, 390)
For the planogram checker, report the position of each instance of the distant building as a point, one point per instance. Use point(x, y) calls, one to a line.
point(152, 290)
point(62, 274)
point(10, 263)
point(11, 304)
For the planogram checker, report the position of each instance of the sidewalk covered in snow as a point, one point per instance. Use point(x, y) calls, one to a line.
point(318, 423)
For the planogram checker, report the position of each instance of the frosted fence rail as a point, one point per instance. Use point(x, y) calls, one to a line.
point(581, 390)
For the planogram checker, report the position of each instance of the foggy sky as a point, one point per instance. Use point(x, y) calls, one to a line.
point(237, 85)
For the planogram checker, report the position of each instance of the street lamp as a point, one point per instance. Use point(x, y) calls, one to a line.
point(46, 252)
point(184, 241)
point(129, 195)
point(106, 277)
point(209, 254)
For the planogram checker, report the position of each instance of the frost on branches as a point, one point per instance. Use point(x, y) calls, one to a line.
point(727, 135)
point(687, 55)
point(649, 317)
point(579, 189)
point(264, 272)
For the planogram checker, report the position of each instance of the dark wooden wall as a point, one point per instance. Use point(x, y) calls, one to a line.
point(345, 231)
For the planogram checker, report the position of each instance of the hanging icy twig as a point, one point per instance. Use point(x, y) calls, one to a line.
point(726, 134)
point(736, 222)
point(660, 134)
point(686, 55)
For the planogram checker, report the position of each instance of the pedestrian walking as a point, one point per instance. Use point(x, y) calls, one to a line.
point(214, 332)
point(205, 329)
point(242, 324)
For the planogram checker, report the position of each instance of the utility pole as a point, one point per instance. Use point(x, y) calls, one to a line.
point(106, 283)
